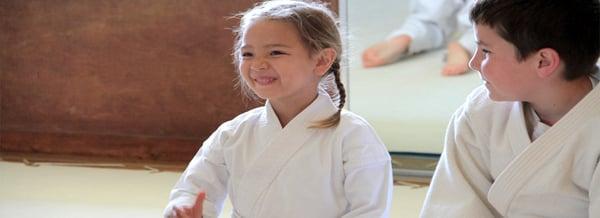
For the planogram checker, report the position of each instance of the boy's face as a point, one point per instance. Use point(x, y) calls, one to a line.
point(506, 78)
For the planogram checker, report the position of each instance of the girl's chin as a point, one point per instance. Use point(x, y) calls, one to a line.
point(263, 94)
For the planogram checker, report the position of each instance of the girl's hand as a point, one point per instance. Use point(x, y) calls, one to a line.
point(194, 211)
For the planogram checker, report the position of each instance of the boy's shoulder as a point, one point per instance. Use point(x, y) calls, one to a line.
point(479, 106)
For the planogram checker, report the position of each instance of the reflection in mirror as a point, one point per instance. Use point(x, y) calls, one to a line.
point(408, 102)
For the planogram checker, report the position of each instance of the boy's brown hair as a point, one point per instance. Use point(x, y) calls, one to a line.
point(571, 27)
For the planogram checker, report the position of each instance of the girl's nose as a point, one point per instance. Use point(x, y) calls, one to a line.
point(259, 65)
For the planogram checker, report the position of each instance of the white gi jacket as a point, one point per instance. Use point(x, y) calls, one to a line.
point(433, 23)
point(490, 167)
point(296, 171)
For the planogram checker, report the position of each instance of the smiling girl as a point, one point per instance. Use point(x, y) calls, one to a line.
point(299, 155)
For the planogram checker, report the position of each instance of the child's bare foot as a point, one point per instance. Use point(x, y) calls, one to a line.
point(385, 52)
point(457, 61)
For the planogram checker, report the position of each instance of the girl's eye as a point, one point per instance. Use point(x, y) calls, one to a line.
point(485, 51)
point(276, 53)
point(247, 54)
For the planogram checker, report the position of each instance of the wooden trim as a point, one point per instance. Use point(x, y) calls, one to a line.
point(39, 160)
point(109, 147)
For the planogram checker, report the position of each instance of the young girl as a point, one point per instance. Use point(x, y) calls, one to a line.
point(300, 155)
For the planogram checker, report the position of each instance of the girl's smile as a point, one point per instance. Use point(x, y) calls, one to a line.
point(264, 80)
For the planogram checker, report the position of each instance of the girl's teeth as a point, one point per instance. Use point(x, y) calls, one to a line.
point(265, 81)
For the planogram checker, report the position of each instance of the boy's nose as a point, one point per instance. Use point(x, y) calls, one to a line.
point(474, 63)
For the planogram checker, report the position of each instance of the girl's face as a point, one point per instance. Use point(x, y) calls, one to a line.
point(276, 65)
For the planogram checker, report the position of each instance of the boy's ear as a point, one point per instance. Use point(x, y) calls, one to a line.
point(325, 59)
point(548, 62)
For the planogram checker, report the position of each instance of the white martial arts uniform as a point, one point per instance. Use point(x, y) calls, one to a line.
point(432, 24)
point(491, 168)
point(295, 171)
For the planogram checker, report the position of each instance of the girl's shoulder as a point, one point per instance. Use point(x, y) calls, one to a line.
point(248, 117)
point(361, 143)
point(354, 126)
point(351, 119)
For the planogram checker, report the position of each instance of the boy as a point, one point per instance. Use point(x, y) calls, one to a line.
point(527, 142)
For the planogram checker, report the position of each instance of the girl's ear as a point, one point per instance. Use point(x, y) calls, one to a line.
point(548, 62)
point(325, 59)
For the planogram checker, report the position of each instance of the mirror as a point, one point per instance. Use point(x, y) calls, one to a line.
point(409, 103)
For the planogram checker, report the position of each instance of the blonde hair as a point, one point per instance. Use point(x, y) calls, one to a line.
point(318, 30)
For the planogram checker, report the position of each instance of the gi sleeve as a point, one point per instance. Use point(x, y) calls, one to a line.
point(461, 180)
point(594, 192)
point(368, 183)
point(206, 172)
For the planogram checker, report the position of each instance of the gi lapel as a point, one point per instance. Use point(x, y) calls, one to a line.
point(265, 169)
point(516, 175)
point(517, 131)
